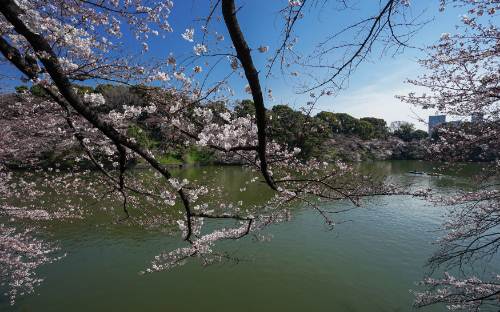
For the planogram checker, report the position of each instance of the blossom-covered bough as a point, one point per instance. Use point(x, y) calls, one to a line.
point(463, 80)
point(55, 44)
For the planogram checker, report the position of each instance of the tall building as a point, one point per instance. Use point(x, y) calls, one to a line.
point(435, 121)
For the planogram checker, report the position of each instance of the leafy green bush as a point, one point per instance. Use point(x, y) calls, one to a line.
point(406, 131)
point(170, 159)
point(142, 137)
point(38, 91)
point(298, 130)
point(21, 89)
point(364, 129)
point(199, 155)
point(244, 108)
point(379, 125)
point(347, 123)
point(331, 121)
point(420, 135)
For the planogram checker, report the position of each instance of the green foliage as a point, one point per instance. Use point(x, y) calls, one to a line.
point(118, 95)
point(38, 91)
point(286, 125)
point(21, 89)
point(193, 155)
point(406, 131)
point(347, 123)
point(142, 137)
point(298, 130)
point(331, 120)
point(80, 89)
point(244, 108)
point(379, 126)
point(364, 129)
point(170, 159)
point(218, 107)
point(103, 88)
point(199, 155)
point(142, 90)
point(420, 135)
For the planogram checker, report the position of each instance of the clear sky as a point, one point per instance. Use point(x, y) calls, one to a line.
point(371, 88)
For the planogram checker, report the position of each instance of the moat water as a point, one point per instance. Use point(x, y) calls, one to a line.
point(370, 261)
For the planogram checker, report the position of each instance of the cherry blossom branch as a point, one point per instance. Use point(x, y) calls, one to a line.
point(12, 12)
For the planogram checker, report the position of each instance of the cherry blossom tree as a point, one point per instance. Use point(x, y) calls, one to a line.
point(462, 79)
point(55, 44)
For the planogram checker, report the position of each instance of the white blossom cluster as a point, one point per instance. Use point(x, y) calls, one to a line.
point(462, 78)
point(232, 132)
point(94, 99)
point(86, 39)
point(21, 254)
point(459, 294)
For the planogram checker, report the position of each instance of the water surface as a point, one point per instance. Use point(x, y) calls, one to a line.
point(369, 262)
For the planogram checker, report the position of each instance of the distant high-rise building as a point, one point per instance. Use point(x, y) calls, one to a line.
point(435, 121)
point(477, 117)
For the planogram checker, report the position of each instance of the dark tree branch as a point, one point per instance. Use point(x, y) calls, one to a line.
point(252, 75)
point(12, 13)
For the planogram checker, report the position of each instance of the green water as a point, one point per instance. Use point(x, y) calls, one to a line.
point(369, 262)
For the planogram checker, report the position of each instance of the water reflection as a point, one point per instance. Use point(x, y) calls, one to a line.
point(367, 263)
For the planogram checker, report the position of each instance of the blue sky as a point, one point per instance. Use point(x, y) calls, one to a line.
point(373, 85)
point(371, 88)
